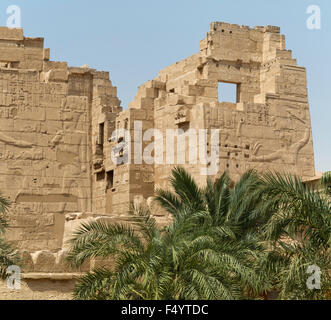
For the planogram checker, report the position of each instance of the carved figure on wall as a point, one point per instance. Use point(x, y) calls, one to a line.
point(14, 142)
point(289, 151)
point(71, 153)
point(32, 154)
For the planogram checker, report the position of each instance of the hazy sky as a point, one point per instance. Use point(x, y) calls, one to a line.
point(134, 40)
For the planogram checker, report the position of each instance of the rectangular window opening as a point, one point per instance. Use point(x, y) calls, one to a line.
point(101, 134)
point(110, 179)
point(101, 175)
point(228, 92)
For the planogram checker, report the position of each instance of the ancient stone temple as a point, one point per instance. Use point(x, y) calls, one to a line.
point(69, 152)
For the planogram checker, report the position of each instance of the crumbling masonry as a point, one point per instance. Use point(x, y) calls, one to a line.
point(57, 124)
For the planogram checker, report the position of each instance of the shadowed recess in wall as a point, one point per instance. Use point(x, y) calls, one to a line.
point(46, 198)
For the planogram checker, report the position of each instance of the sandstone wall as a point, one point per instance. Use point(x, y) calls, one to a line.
point(57, 142)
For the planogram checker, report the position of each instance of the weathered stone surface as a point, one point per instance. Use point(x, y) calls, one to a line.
point(57, 123)
point(28, 265)
point(44, 261)
point(39, 287)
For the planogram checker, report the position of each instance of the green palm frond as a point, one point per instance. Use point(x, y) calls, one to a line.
point(326, 182)
point(301, 209)
point(4, 205)
point(226, 241)
point(95, 285)
point(101, 239)
point(141, 217)
point(168, 201)
point(8, 255)
point(300, 231)
point(217, 197)
point(186, 188)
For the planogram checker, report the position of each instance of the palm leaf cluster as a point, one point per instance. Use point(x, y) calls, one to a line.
point(208, 252)
point(226, 241)
point(299, 233)
point(8, 255)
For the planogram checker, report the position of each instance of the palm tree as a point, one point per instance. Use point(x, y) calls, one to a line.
point(8, 255)
point(204, 254)
point(138, 272)
point(299, 232)
point(233, 216)
point(227, 241)
point(234, 208)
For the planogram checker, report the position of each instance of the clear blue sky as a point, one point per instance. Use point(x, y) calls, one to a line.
point(134, 40)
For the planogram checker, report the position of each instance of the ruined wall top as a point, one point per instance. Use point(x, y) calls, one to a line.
point(219, 25)
point(11, 34)
point(232, 42)
point(20, 52)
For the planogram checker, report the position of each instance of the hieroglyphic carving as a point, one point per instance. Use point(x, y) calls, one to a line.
point(289, 151)
point(32, 154)
point(294, 82)
point(257, 114)
point(50, 115)
point(8, 112)
point(70, 147)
